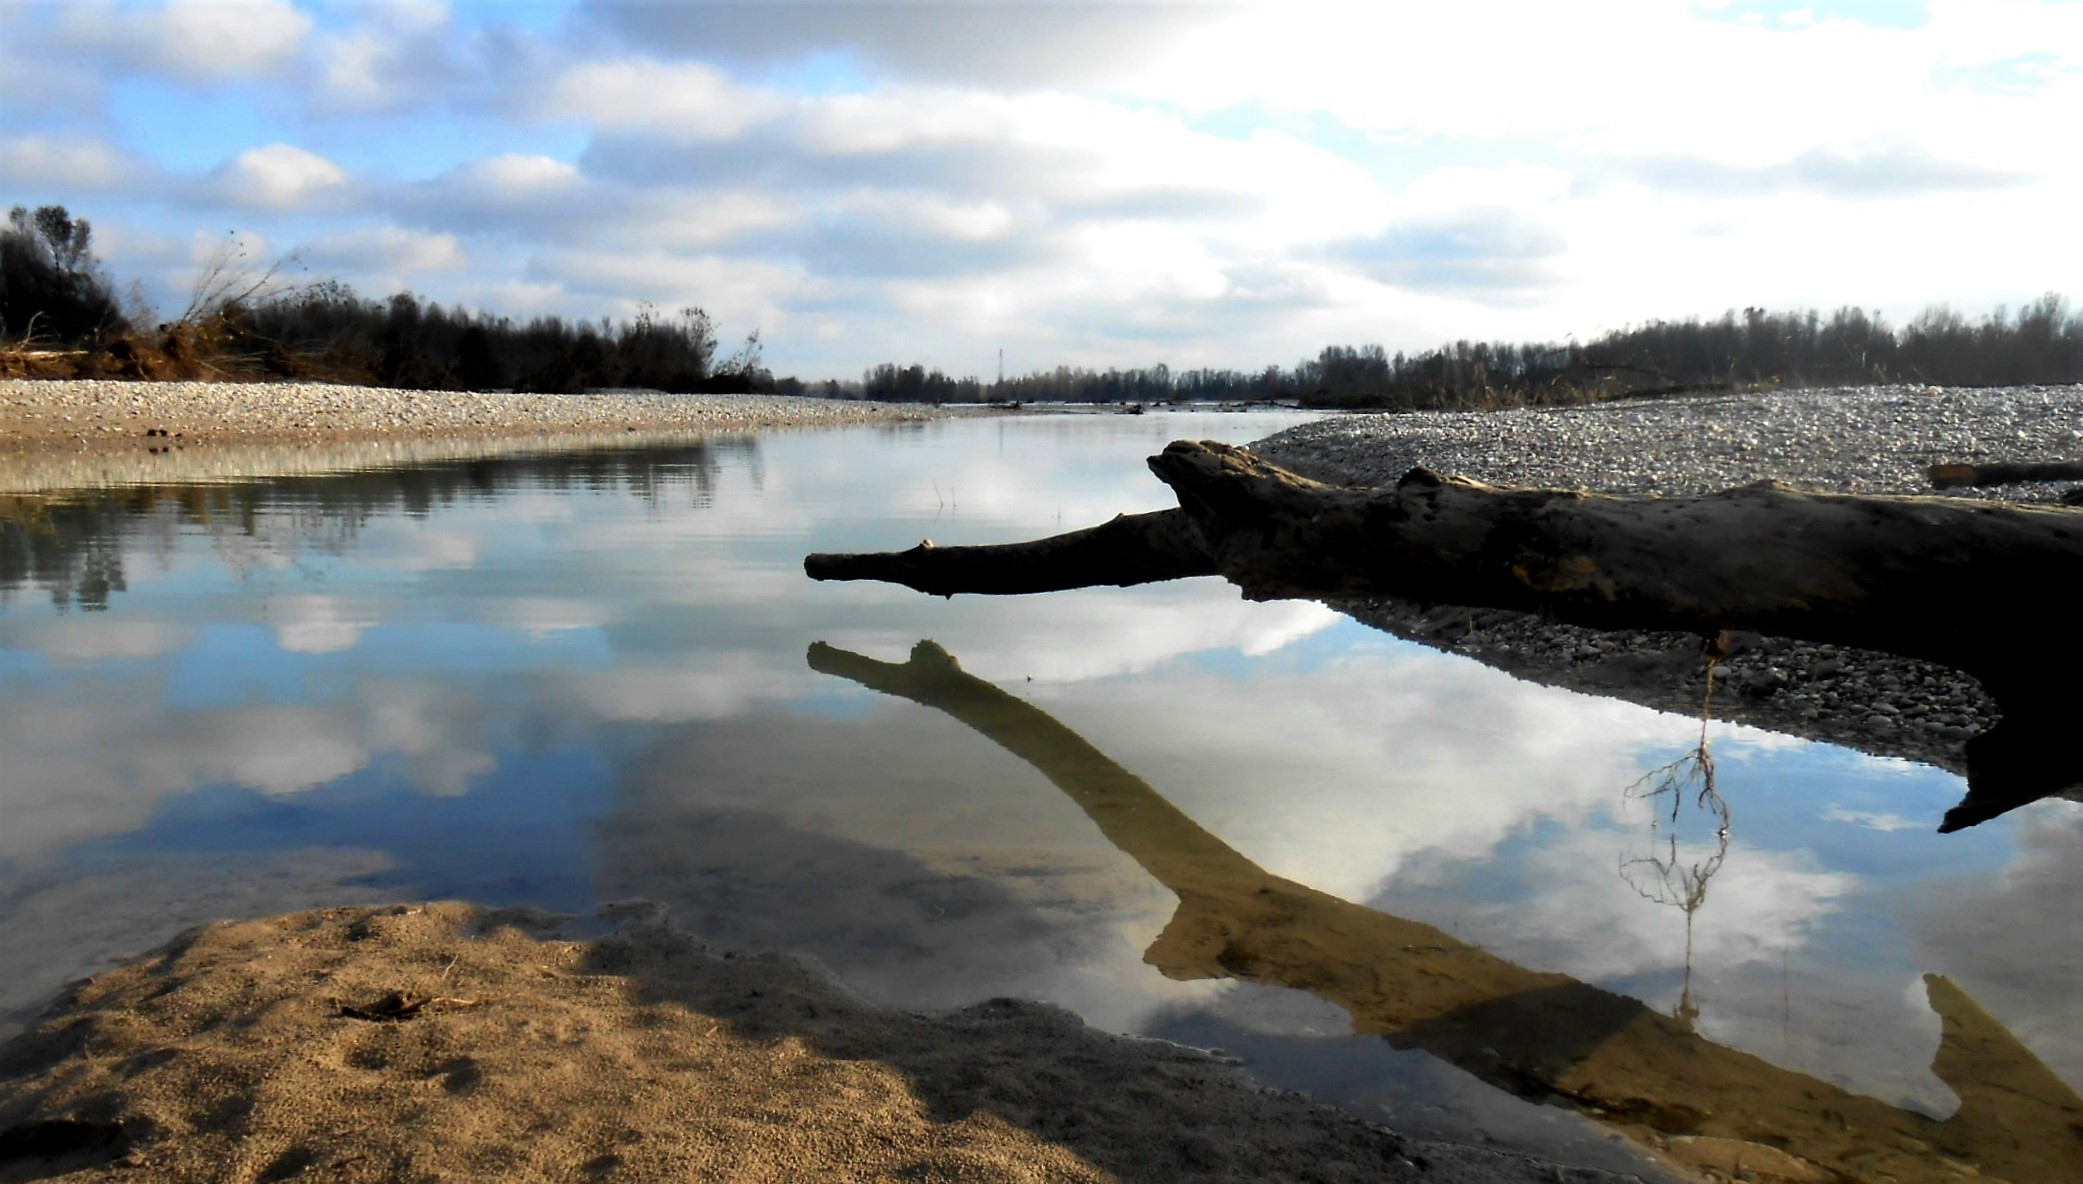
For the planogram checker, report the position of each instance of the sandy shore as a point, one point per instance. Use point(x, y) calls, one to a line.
point(445, 1042)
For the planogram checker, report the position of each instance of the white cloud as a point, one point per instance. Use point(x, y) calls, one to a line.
point(735, 291)
point(387, 251)
point(318, 624)
point(682, 100)
point(396, 57)
point(440, 734)
point(1230, 184)
point(696, 687)
point(1758, 904)
point(279, 177)
point(1880, 820)
point(77, 770)
point(92, 639)
point(547, 616)
point(518, 173)
point(226, 38)
point(432, 549)
point(76, 164)
point(201, 41)
point(707, 219)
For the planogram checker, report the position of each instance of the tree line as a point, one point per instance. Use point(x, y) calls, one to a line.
point(60, 317)
point(2041, 342)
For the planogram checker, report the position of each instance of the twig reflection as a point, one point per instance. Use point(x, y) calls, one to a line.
point(1666, 876)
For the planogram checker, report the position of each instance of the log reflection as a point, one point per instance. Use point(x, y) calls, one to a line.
point(1542, 1036)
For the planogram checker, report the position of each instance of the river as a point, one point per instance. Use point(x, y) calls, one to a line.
point(561, 680)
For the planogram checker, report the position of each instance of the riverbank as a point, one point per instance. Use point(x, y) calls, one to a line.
point(1877, 440)
point(68, 434)
point(445, 1041)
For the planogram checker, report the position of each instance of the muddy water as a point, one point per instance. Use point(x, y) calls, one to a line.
point(1385, 875)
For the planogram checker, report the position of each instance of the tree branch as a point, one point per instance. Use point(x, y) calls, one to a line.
point(1130, 549)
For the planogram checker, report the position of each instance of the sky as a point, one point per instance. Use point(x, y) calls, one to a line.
point(1087, 184)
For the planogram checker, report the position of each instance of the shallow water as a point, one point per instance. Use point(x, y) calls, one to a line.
point(561, 680)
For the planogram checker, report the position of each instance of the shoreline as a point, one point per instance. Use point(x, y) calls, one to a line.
point(448, 1040)
point(89, 433)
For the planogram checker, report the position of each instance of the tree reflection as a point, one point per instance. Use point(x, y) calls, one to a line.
point(1542, 1036)
point(72, 545)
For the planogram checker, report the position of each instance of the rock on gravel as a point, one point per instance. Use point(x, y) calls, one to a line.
point(1878, 440)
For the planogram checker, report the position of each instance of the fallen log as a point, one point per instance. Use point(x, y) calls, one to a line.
point(1987, 588)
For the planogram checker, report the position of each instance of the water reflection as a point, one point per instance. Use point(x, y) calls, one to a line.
point(1539, 1035)
point(72, 546)
point(1675, 791)
point(554, 681)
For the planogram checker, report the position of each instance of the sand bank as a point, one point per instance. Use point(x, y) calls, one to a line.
point(447, 1042)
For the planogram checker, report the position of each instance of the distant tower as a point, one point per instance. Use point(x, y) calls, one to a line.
point(1001, 365)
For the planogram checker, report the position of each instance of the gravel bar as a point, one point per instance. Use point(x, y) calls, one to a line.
point(81, 434)
point(1869, 440)
point(79, 414)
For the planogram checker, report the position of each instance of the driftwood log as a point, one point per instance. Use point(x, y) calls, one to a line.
point(1987, 588)
point(1542, 1036)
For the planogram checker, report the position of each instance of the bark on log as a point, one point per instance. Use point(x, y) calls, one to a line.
point(1986, 588)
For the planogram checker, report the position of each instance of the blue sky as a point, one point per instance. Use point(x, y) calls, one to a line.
point(1086, 183)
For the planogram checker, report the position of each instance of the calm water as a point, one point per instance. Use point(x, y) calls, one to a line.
point(567, 680)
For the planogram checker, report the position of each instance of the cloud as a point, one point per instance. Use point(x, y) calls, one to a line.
point(385, 250)
point(1228, 184)
point(1484, 252)
point(528, 196)
point(681, 101)
point(82, 769)
point(697, 687)
point(94, 639)
point(2014, 939)
point(547, 616)
point(318, 624)
point(1888, 173)
point(438, 734)
point(1584, 923)
point(540, 200)
point(397, 56)
point(1874, 820)
point(279, 177)
point(898, 236)
point(1005, 45)
point(208, 42)
point(71, 164)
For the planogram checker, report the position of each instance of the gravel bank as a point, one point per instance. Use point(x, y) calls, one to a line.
point(78, 414)
point(1868, 440)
